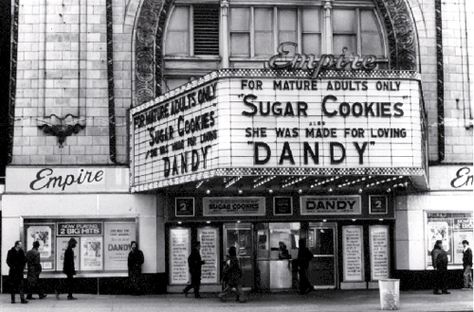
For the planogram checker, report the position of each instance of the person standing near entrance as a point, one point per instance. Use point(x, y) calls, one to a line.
point(231, 275)
point(303, 260)
point(467, 264)
point(16, 261)
point(194, 263)
point(34, 271)
point(69, 269)
point(439, 259)
point(135, 261)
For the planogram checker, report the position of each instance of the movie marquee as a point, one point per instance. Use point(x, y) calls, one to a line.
point(272, 122)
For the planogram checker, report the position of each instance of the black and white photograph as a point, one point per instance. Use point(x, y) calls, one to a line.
point(236, 155)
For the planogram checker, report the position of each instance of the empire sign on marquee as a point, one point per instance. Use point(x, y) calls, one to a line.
point(270, 122)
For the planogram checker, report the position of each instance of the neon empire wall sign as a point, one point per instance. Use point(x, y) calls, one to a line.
point(283, 60)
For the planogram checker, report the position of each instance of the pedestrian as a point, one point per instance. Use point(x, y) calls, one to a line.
point(439, 259)
point(283, 251)
point(194, 263)
point(69, 269)
point(34, 271)
point(231, 276)
point(16, 261)
point(467, 264)
point(303, 260)
point(135, 261)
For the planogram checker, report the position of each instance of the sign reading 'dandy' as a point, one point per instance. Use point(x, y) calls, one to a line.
point(330, 205)
point(254, 122)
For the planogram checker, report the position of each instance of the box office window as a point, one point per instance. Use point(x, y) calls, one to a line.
point(451, 229)
point(102, 245)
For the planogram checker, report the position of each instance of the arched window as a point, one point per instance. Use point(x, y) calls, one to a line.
point(194, 33)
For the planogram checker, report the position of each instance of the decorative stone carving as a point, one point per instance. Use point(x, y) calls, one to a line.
point(61, 127)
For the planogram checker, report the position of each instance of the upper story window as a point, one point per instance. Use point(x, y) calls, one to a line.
point(194, 40)
point(193, 30)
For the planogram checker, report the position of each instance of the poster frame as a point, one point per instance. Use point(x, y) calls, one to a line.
point(275, 199)
point(362, 254)
point(82, 267)
point(170, 263)
point(184, 215)
point(370, 205)
point(27, 246)
point(218, 264)
point(389, 260)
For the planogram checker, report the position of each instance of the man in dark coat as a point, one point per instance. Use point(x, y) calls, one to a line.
point(439, 259)
point(467, 264)
point(69, 269)
point(34, 271)
point(16, 261)
point(194, 263)
point(135, 261)
point(304, 258)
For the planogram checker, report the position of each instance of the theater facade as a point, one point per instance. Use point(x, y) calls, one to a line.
point(240, 123)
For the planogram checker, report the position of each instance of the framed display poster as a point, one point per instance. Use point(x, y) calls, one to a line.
point(61, 243)
point(42, 233)
point(378, 204)
point(282, 206)
point(379, 252)
point(209, 253)
point(179, 245)
point(451, 228)
point(117, 239)
point(91, 253)
point(353, 253)
point(184, 206)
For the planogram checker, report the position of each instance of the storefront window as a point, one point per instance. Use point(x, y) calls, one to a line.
point(103, 245)
point(452, 229)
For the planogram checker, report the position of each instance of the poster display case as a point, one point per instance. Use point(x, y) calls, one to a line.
point(102, 245)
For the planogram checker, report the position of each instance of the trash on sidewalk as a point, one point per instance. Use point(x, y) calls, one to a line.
point(389, 294)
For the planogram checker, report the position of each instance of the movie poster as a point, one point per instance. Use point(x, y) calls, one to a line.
point(43, 234)
point(118, 236)
point(91, 253)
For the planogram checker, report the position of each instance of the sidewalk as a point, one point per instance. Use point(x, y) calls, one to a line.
point(334, 300)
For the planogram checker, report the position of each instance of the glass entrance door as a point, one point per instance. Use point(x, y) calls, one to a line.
point(322, 243)
point(239, 235)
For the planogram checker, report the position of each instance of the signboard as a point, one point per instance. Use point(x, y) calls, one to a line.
point(379, 252)
point(282, 206)
point(117, 239)
point(184, 207)
point(79, 228)
point(451, 228)
point(452, 178)
point(44, 235)
point(353, 253)
point(91, 253)
point(330, 205)
point(233, 206)
point(378, 204)
point(260, 122)
point(67, 179)
point(180, 240)
point(209, 253)
point(61, 243)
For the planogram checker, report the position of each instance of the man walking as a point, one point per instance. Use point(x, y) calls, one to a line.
point(16, 261)
point(69, 269)
point(34, 271)
point(195, 263)
point(467, 264)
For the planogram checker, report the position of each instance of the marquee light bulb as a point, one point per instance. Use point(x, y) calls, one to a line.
point(240, 191)
point(208, 191)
